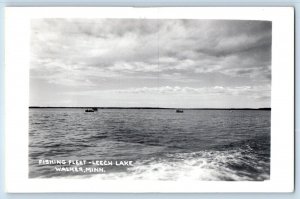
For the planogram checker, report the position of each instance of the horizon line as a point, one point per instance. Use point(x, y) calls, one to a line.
point(113, 107)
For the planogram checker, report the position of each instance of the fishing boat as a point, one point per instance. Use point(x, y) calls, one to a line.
point(179, 111)
point(89, 110)
point(95, 109)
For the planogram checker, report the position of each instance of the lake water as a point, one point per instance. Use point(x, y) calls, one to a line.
point(162, 144)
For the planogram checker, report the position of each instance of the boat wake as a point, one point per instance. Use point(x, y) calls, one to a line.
point(234, 165)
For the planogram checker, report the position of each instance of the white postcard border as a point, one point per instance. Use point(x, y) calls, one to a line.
point(17, 55)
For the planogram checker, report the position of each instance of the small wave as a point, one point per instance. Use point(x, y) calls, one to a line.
point(97, 137)
point(65, 145)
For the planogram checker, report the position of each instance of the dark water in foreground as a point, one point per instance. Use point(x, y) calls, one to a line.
point(164, 145)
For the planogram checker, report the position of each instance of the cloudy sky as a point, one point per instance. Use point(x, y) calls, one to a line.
point(150, 62)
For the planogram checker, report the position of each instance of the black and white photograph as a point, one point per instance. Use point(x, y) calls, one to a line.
point(150, 99)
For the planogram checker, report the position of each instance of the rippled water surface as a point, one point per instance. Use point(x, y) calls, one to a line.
point(164, 145)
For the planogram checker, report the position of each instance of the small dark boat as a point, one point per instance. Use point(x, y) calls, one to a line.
point(89, 110)
point(95, 109)
point(179, 111)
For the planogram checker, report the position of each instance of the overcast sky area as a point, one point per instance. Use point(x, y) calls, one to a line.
point(150, 63)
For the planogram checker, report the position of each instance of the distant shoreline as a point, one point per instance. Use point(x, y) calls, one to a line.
point(81, 107)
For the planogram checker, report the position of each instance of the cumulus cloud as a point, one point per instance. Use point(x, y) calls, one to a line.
point(152, 55)
point(177, 90)
point(216, 90)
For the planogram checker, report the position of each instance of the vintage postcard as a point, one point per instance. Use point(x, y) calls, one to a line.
point(149, 99)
